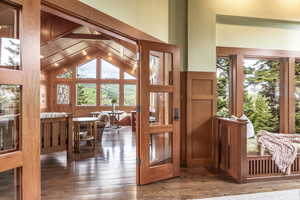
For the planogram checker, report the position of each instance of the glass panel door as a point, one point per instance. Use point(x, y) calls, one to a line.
point(158, 139)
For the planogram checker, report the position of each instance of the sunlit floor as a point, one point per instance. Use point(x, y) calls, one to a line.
point(113, 167)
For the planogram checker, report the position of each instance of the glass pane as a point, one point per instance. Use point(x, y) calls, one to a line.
point(297, 97)
point(161, 105)
point(86, 94)
point(109, 71)
point(261, 94)
point(110, 93)
point(129, 76)
point(67, 74)
point(129, 95)
point(9, 117)
point(160, 148)
point(223, 67)
point(87, 70)
point(10, 185)
point(9, 42)
point(63, 94)
point(160, 68)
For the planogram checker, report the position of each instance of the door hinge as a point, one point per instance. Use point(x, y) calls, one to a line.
point(138, 161)
point(138, 108)
point(177, 114)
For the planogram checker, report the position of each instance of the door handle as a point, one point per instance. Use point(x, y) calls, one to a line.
point(176, 114)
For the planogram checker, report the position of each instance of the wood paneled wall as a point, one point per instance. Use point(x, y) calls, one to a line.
point(200, 109)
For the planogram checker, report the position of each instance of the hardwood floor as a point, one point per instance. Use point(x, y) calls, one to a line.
point(111, 176)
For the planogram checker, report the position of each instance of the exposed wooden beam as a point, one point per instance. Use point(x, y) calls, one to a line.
point(86, 36)
point(85, 15)
point(103, 36)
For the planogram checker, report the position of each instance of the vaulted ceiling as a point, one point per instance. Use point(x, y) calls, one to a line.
point(64, 43)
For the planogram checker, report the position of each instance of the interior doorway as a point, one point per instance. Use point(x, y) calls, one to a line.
point(109, 105)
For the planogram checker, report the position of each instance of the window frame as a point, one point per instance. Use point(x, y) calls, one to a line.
point(287, 71)
point(74, 80)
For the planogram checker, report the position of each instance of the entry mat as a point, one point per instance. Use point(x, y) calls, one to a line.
point(279, 195)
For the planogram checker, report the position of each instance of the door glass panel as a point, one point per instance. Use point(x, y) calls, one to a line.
point(10, 185)
point(9, 42)
point(160, 68)
point(160, 148)
point(9, 117)
point(160, 111)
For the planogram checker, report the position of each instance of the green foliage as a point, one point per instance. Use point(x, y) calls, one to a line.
point(262, 117)
point(262, 94)
point(129, 95)
point(108, 93)
point(297, 96)
point(67, 74)
point(86, 94)
point(223, 66)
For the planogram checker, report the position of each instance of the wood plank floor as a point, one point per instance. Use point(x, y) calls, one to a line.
point(110, 175)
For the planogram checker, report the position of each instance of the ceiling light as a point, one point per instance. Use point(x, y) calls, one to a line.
point(84, 53)
point(56, 64)
point(109, 54)
point(41, 56)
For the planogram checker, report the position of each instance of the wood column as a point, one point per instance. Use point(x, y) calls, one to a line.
point(287, 99)
point(237, 85)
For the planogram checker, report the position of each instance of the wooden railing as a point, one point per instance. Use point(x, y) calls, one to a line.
point(56, 135)
point(230, 155)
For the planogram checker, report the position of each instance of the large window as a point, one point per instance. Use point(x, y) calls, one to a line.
point(129, 76)
point(109, 93)
point(66, 74)
point(86, 94)
point(109, 71)
point(261, 93)
point(129, 95)
point(87, 70)
point(112, 84)
point(223, 67)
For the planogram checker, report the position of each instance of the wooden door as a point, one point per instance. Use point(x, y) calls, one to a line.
point(159, 124)
point(19, 99)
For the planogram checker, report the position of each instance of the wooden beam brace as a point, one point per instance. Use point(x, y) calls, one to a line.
point(103, 36)
point(86, 36)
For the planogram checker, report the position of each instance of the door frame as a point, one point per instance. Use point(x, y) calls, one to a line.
point(25, 161)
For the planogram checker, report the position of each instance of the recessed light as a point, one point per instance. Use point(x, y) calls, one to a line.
point(84, 53)
point(109, 54)
point(56, 64)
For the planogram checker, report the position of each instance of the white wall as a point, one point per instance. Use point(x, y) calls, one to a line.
point(267, 9)
point(201, 35)
point(150, 16)
point(244, 36)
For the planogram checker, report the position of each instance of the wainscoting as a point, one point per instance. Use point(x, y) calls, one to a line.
point(201, 107)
